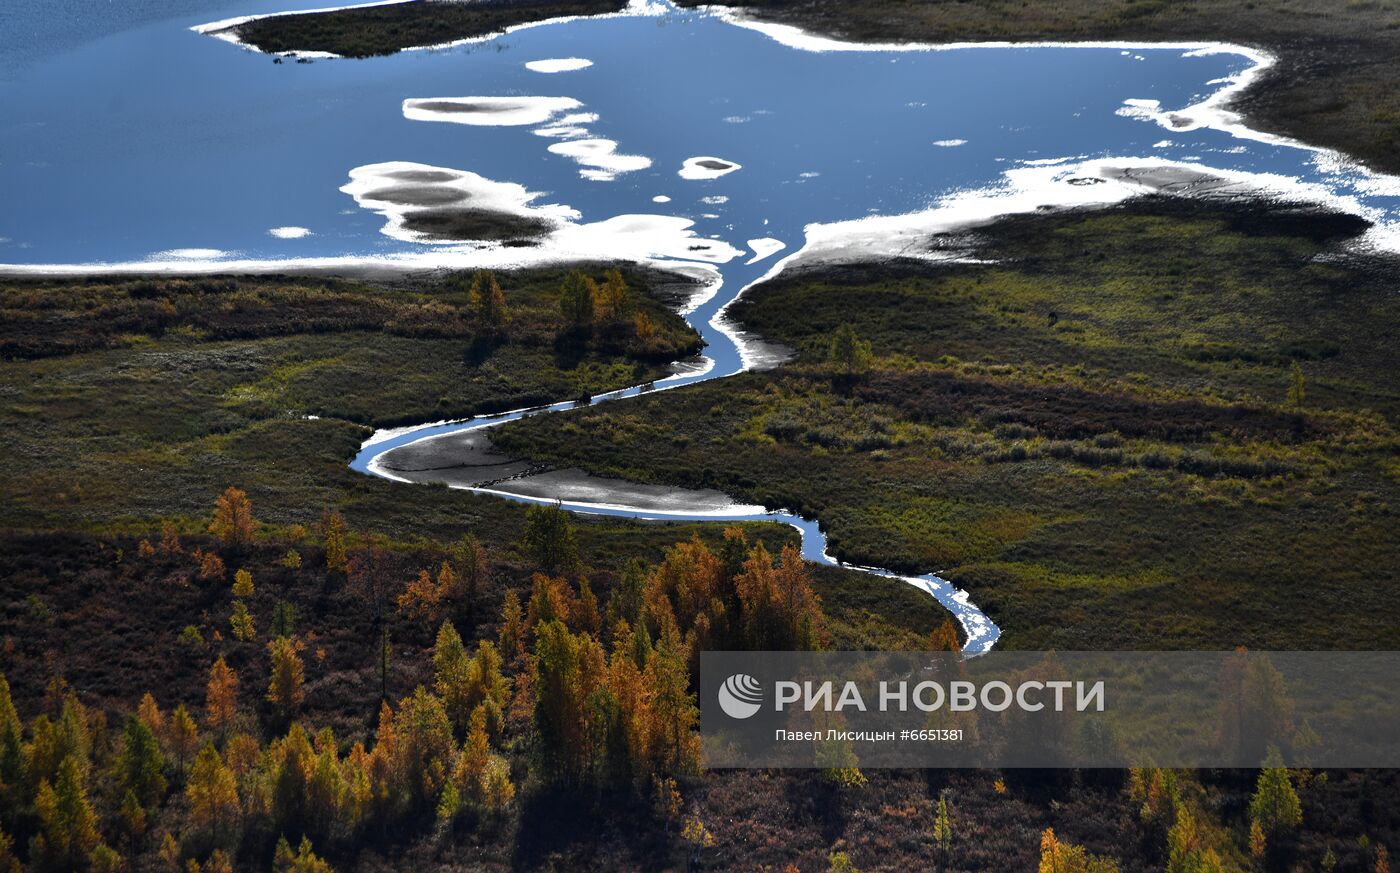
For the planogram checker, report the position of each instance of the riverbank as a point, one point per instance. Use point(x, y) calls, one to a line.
point(1336, 82)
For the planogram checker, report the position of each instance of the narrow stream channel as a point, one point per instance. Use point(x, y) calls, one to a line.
point(724, 356)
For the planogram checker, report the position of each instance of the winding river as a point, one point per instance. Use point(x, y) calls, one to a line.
point(156, 148)
point(724, 357)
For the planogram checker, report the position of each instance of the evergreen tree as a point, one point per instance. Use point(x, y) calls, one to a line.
point(9, 863)
point(1258, 842)
point(140, 766)
point(849, 356)
point(1186, 853)
point(67, 823)
point(105, 859)
point(386, 653)
point(449, 803)
point(1275, 805)
point(549, 538)
point(284, 617)
point(219, 862)
point(576, 296)
point(625, 604)
point(559, 695)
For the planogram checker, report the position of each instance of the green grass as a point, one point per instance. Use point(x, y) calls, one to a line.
point(139, 399)
point(1090, 476)
point(128, 402)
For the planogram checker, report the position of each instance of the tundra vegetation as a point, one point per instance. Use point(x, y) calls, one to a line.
point(1163, 425)
point(224, 650)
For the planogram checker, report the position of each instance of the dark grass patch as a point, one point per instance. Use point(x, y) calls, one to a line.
point(451, 223)
point(382, 30)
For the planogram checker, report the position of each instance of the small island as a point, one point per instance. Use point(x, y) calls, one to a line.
point(366, 31)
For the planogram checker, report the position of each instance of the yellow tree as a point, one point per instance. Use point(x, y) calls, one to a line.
point(470, 768)
point(614, 298)
point(148, 711)
point(243, 584)
point(673, 713)
point(1058, 857)
point(511, 638)
point(451, 668)
point(488, 304)
point(221, 696)
point(285, 691)
point(420, 598)
point(213, 795)
point(473, 574)
point(303, 860)
point(233, 518)
point(576, 296)
point(219, 862)
point(333, 532)
point(182, 737)
point(12, 763)
point(241, 622)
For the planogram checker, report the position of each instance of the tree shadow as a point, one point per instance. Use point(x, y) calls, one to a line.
point(573, 822)
point(481, 348)
point(570, 348)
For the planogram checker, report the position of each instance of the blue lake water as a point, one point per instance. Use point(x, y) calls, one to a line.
point(157, 138)
point(134, 136)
